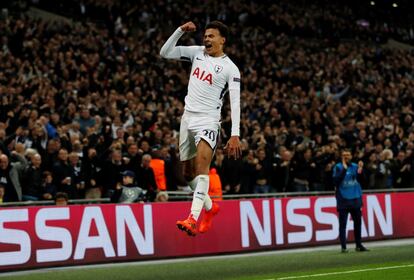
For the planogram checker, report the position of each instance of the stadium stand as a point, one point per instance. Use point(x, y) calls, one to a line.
point(316, 76)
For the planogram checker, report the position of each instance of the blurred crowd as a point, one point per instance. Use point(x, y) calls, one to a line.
point(85, 106)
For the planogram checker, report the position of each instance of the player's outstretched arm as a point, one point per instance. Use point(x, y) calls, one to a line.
point(169, 49)
point(233, 146)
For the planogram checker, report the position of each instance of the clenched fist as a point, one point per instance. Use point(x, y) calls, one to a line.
point(188, 27)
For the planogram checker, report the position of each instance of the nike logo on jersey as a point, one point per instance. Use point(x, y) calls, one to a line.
point(199, 58)
point(203, 75)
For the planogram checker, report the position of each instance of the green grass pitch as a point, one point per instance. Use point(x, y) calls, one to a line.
point(396, 262)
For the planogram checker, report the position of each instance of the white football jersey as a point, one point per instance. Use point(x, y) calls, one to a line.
point(210, 79)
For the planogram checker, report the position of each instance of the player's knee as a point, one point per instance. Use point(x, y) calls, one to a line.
point(202, 166)
point(203, 158)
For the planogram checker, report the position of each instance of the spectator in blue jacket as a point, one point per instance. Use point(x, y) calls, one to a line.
point(347, 177)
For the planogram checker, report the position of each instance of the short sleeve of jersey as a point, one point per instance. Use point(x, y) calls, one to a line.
point(234, 78)
point(188, 53)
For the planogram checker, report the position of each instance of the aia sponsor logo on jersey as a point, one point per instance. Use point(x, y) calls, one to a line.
point(203, 75)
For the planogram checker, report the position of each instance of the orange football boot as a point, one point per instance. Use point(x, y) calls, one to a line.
point(207, 220)
point(189, 225)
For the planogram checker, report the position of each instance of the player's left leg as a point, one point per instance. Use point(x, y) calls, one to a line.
point(200, 197)
point(207, 219)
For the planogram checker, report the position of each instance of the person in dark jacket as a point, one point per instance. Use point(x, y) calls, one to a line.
point(62, 174)
point(146, 177)
point(128, 191)
point(91, 167)
point(110, 174)
point(347, 177)
point(32, 179)
point(10, 176)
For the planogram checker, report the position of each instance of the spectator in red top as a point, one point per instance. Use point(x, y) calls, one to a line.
point(215, 189)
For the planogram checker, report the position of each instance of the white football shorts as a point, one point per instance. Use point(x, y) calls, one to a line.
point(193, 128)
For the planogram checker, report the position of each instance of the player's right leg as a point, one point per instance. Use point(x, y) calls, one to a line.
point(203, 135)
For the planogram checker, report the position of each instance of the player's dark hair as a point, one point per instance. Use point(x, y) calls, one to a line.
point(221, 27)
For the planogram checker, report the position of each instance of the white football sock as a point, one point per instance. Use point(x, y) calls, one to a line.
point(200, 195)
point(207, 202)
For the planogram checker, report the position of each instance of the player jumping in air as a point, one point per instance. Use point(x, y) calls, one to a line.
point(212, 75)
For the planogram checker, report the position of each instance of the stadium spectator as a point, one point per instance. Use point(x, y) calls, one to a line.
point(161, 197)
point(49, 189)
point(61, 199)
point(77, 175)
point(328, 82)
point(215, 188)
point(303, 170)
point(127, 191)
point(347, 177)
point(110, 174)
point(158, 166)
point(229, 170)
point(282, 170)
point(85, 121)
point(402, 170)
point(383, 175)
point(263, 169)
point(50, 153)
point(91, 168)
point(62, 174)
point(32, 175)
point(132, 157)
point(11, 176)
point(146, 177)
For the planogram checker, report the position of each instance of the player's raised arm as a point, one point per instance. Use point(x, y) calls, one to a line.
point(169, 49)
